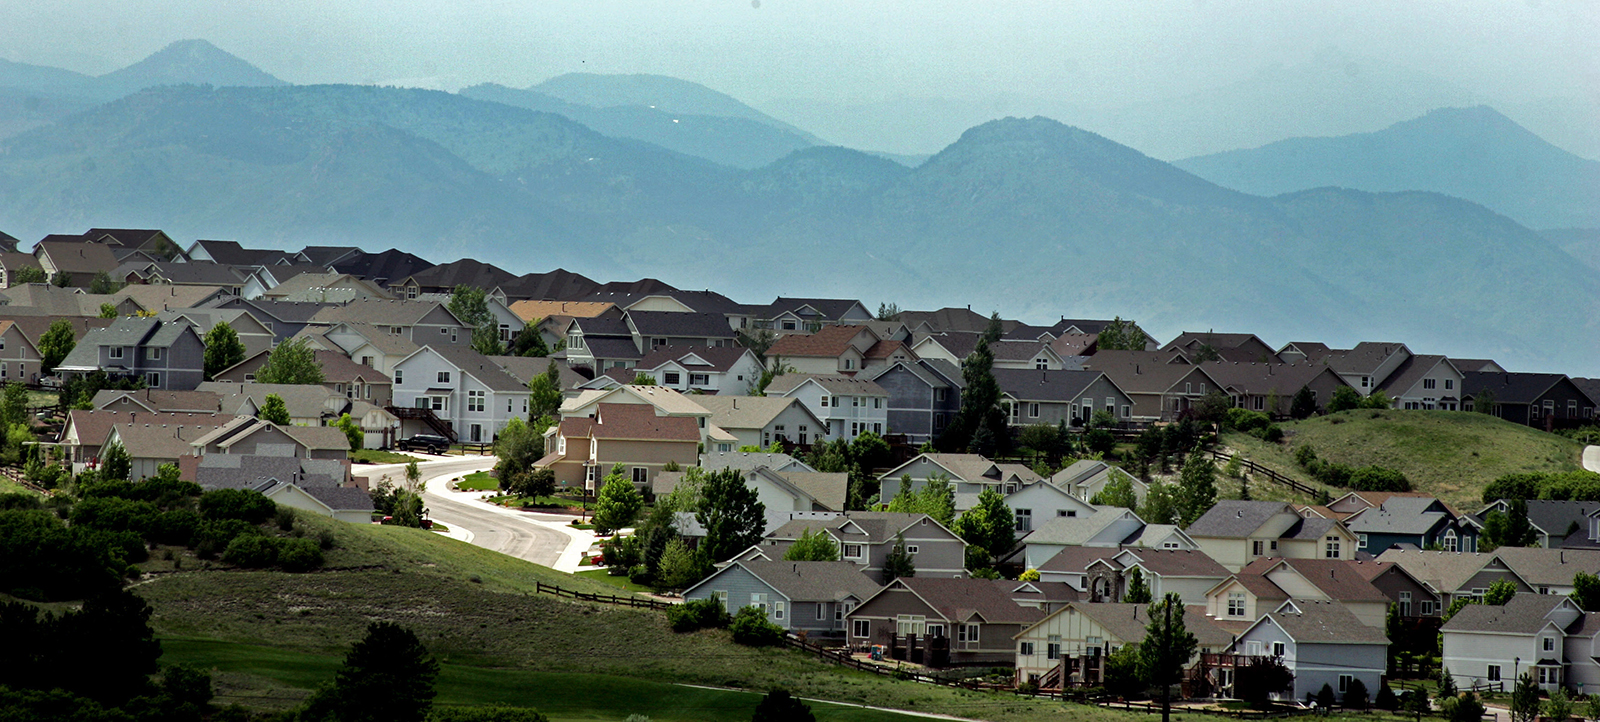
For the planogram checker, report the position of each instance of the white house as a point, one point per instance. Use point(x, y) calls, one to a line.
point(848, 406)
point(462, 388)
point(1321, 643)
point(762, 420)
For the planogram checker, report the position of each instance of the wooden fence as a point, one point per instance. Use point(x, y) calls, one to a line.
point(1155, 708)
point(14, 474)
point(635, 602)
point(1270, 475)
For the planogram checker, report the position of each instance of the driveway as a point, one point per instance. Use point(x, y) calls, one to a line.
point(539, 538)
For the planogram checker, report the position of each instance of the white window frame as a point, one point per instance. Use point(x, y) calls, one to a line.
point(153, 379)
point(443, 377)
point(117, 352)
point(861, 628)
point(154, 353)
point(1277, 649)
point(851, 551)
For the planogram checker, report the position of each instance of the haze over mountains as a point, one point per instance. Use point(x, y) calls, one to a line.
point(1031, 217)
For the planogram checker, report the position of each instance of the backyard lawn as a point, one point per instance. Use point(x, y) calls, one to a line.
point(378, 456)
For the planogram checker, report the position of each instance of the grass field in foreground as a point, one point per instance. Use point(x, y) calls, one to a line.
point(1451, 454)
point(265, 676)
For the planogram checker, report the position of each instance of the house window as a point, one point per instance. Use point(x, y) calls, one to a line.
point(1277, 649)
point(1033, 411)
point(822, 610)
point(670, 378)
point(1256, 547)
point(444, 377)
point(509, 404)
point(877, 403)
point(475, 400)
point(155, 354)
point(910, 624)
point(1493, 673)
point(1344, 682)
point(855, 401)
point(852, 551)
point(399, 376)
point(724, 448)
point(116, 352)
point(841, 609)
point(366, 361)
point(1041, 364)
point(1127, 411)
point(1366, 383)
point(860, 628)
point(1449, 384)
point(849, 364)
point(153, 379)
point(1053, 646)
point(2, 369)
point(1549, 644)
point(699, 379)
point(443, 331)
point(1025, 649)
point(877, 429)
point(1450, 540)
point(823, 402)
point(1331, 547)
point(1430, 384)
point(1405, 604)
point(1427, 608)
point(1361, 541)
point(1024, 520)
point(1235, 604)
point(967, 633)
point(777, 610)
point(912, 549)
point(941, 394)
point(788, 325)
point(935, 630)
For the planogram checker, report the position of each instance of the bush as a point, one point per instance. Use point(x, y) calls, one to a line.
point(114, 514)
point(241, 504)
point(298, 555)
point(494, 713)
point(751, 628)
point(1272, 434)
point(1245, 420)
point(1100, 441)
point(1304, 455)
point(1377, 478)
point(699, 614)
point(639, 574)
point(178, 527)
point(252, 551)
point(283, 516)
point(1386, 700)
point(1355, 695)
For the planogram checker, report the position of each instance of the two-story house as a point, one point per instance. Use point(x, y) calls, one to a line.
point(1368, 365)
point(601, 344)
point(813, 597)
point(1265, 583)
point(1456, 575)
point(1036, 504)
point(1069, 647)
point(1419, 521)
point(841, 349)
point(720, 370)
point(924, 395)
point(1546, 636)
point(1161, 384)
point(581, 450)
point(1321, 642)
point(1545, 401)
point(20, 360)
point(1235, 532)
point(1086, 478)
point(973, 619)
point(1105, 526)
point(1051, 397)
point(424, 323)
point(955, 346)
point(762, 420)
point(849, 406)
point(968, 474)
point(165, 354)
point(866, 539)
point(1425, 381)
point(340, 375)
point(1187, 573)
point(465, 389)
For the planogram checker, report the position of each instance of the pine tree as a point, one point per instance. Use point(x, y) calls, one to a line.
point(1197, 490)
point(387, 676)
point(618, 503)
point(898, 563)
point(1138, 591)
point(1166, 649)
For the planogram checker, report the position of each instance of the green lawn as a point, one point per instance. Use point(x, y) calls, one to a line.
point(478, 481)
point(8, 486)
point(377, 456)
point(601, 575)
point(1451, 454)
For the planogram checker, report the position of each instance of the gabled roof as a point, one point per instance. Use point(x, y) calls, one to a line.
point(1175, 562)
point(383, 267)
point(961, 467)
point(1523, 614)
point(464, 272)
point(1076, 530)
point(53, 301)
point(1365, 358)
point(749, 412)
point(633, 422)
point(1549, 567)
point(1128, 622)
point(823, 309)
point(1510, 388)
point(324, 286)
point(1236, 519)
point(478, 366)
point(832, 383)
point(526, 368)
point(77, 257)
point(1411, 371)
point(1401, 515)
point(273, 309)
point(668, 323)
point(1146, 371)
point(324, 255)
point(92, 427)
point(1337, 578)
point(233, 254)
point(1074, 560)
point(962, 600)
point(826, 342)
point(1322, 622)
point(830, 489)
point(809, 581)
point(302, 400)
point(158, 400)
point(1445, 571)
point(532, 310)
point(867, 527)
point(379, 312)
point(694, 358)
point(1263, 379)
point(169, 297)
point(950, 319)
point(557, 285)
point(193, 273)
point(1043, 385)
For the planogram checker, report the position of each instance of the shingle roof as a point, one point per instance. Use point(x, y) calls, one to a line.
point(55, 301)
point(829, 489)
point(1236, 519)
point(826, 342)
point(1557, 517)
point(1129, 622)
point(1262, 379)
point(631, 421)
point(1510, 388)
point(302, 400)
point(745, 412)
point(383, 267)
point(194, 273)
point(1180, 563)
point(1141, 371)
point(832, 383)
point(1553, 567)
point(1365, 358)
point(150, 440)
point(1524, 614)
point(959, 599)
point(481, 367)
point(950, 319)
point(876, 526)
point(1410, 372)
point(233, 254)
point(532, 310)
point(464, 272)
point(163, 297)
point(813, 581)
point(1075, 530)
point(1446, 571)
point(325, 287)
point(745, 461)
point(526, 368)
point(1335, 577)
point(1040, 385)
point(964, 467)
point(377, 312)
point(78, 257)
point(93, 426)
point(961, 345)
point(667, 323)
point(159, 400)
point(720, 358)
point(558, 285)
point(1078, 559)
point(831, 309)
point(1323, 622)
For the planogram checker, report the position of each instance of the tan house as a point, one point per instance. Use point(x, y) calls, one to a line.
point(1235, 533)
point(1072, 643)
point(20, 360)
point(841, 349)
point(1264, 584)
point(581, 450)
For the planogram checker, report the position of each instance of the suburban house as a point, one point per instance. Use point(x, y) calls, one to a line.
point(81, 262)
point(790, 315)
point(445, 277)
point(464, 389)
point(780, 492)
point(1053, 397)
point(1104, 526)
point(837, 350)
point(1087, 477)
point(340, 375)
point(11, 262)
point(1321, 642)
point(663, 401)
point(1546, 401)
point(1069, 647)
point(1368, 365)
point(170, 298)
point(1185, 572)
point(365, 344)
point(20, 360)
point(582, 450)
point(968, 474)
point(85, 432)
point(1243, 348)
point(1410, 596)
point(762, 420)
point(420, 322)
point(1271, 387)
point(955, 346)
point(166, 355)
point(974, 619)
point(332, 287)
point(1425, 381)
point(1236, 533)
point(317, 486)
point(1554, 521)
point(1549, 571)
point(250, 436)
point(746, 461)
point(719, 370)
point(256, 337)
point(1456, 575)
point(847, 406)
point(1263, 584)
point(601, 344)
point(867, 537)
point(1161, 384)
point(924, 395)
point(284, 319)
point(1549, 636)
point(527, 368)
point(1036, 504)
point(811, 597)
point(1418, 521)
point(658, 329)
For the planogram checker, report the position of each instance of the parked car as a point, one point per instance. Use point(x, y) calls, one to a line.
point(430, 443)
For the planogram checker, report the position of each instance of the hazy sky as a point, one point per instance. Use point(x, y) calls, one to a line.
point(767, 51)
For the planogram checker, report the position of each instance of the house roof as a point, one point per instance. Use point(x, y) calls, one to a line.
point(668, 323)
point(1043, 385)
point(164, 297)
point(158, 400)
point(271, 308)
point(1263, 378)
point(949, 319)
point(832, 383)
point(307, 283)
point(1400, 515)
point(380, 339)
point(1143, 371)
point(868, 527)
point(1557, 517)
point(1326, 622)
point(250, 471)
point(149, 440)
point(481, 367)
point(1236, 519)
point(962, 467)
point(328, 254)
point(1523, 614)
point(1474, 364)
point(1075, 530)
point(1129, 622)
point(813, 581)
point(531, 310)
point(1551, 567)
point(1411, 371)
point(558, 285)
point(1075, 344)
point(233, 254)
point(631, 421)
point(1076, 559)
point(745, 461)
point(55, 301)
point(33, 324)
point(1179, 563)
point(1218, 341)
point(526, 368)
point(958, 600)
point(15, 261)
point(378, 312)
point(826, 309)
point(1510, 388)
point(605, 347)
point(746, 412)
point(78, 257)
point(829, 489)
point(718, 359)
point(464, 272)
point(1446, 571)
point(1335, 577)
point(302, 400)
point(826, 342)
point(1365, 358)
point(1256, 583)
point(192, 273)
point(93, 426)
point(382, 267)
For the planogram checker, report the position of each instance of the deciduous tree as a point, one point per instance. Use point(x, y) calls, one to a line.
point(223, 348)
point(1120, 335)
point(618, 503)
point(291, 362)
point(989, 527)
point(56, 342)
point(273, 409)
point(733, 517)
point(813, 546)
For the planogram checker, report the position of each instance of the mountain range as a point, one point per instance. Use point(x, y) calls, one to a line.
point(1473, 153)
point(1029, 216)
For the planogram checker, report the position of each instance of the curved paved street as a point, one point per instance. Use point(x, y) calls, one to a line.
point(535, 538)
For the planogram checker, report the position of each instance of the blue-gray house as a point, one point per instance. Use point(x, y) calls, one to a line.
point(1419, 521)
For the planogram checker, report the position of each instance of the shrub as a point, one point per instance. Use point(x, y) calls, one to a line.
point(699, 614)
point(178, 527)
point(242, 504)
point(751, 628)
point(494, 713)
point(1100, 441)
point(1386, 700)
point(283, 516)
point(1377, 478)
point(1304, 455)
point(212, 537)
point(1245, 420)
point(114, 514)
point(299, 555)
point(251, 550)
point(639, 574)
point(1355, 695)
point(1272, 434)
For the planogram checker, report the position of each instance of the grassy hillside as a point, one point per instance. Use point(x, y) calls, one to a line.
point(1451, 454)
point(273, 636)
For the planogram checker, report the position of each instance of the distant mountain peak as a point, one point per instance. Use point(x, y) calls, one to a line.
point(186, 61)
point(660, 92)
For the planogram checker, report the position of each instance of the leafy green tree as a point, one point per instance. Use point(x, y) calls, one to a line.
point(937, 499)
point(1417, 703)
point(1325, 698)
point(223, 348)
point(388, 676)
point(1463, 708)
point(1447, 681)
point(1378, 478)
point(751, 628)
point(618, 503)
point(1123, 677)
point(1166, 649)
point(273, 409)
point(1160, 504)
point(681, 567)
point(103, 285)
point(1519, 531)
point(888, 311)
point(352, 432)
point(1559, 707)
point(1304, 404)
point(813, 547)
point(544, 393)
point(1256, 682)
point(529, 342)
point(1197, 488)
point(471, 305)
point(1525, 699)
point(989, 527)
point(1138, 591)
point(1499, 593)
point(28, 274)
point(108, 311)
point(980, 406)
point(995, 330)
point(56, 342)
point(1344, 399)
point(291, 362)
point(14, 405)
point(1355, 694)
point(1586, 592)
point(643, 379)
point(1591, 708)
point(898, 563)
point(61, 279)
point(1118, 491)
point(114, 462)
point(733, 518)
point(1120, 335)
point(870, 451)
point(778, 706)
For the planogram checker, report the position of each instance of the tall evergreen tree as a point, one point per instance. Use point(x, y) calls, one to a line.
point(730, 513)
point(388, 676)
point(898, 563)
point(1138, 591)
point(1166, 649)
point(1197, 488)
